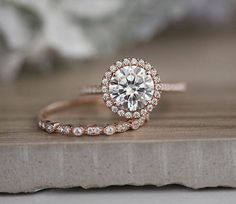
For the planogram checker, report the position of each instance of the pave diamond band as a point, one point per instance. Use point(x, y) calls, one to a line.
point(91, 130)
point(170, 87)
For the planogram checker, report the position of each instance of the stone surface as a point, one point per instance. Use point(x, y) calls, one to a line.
point(190, 140)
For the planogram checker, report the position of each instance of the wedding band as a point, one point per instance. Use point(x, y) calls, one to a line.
point(132, 88)
point(67, 129)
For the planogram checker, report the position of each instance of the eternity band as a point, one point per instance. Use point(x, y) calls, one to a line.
point(92, 130)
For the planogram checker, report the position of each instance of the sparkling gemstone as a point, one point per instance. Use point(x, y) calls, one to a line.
point(49, 128)
point(149, 108)
point(122, 127)
point(78, 131)
point(109, 130)
point(136, 114)
point(133, 61)
point(109, 103)
point(105, 96)
point(121, 113)
point(135, 124)
point(131, 87)
point(118, 64)
point(154, 101)
point(114, 109)
point(94, 130)
point(113, 68)
point(64, 129)
point(126, 61)
point(128, 115)
point(157, 94)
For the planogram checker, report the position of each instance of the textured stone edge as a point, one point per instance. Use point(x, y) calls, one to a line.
point(195, 164)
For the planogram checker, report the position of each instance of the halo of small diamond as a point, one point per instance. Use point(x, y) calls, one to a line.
point(149, 103)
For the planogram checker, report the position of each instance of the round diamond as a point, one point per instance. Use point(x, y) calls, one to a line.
point(154, 101)
point(94, 130)
point(158, 87)
point(114, 109)
point(122, 127)
point(157, 94)
point(141, 62)
point(113, 68)
point(126, 61)
point(149, 108)
point(121, 113)
point(64, 129)
point(133, 61)
point(49, 128)
point(104, 89)
point(78, 131)
point(128, 115)
point(135, 124)
point(105, 96)
point(136, 115)
point(104, 81)
point(148, 66)
point(131, 87)
point(118, 64)
point(109, 103)
point(109, 130)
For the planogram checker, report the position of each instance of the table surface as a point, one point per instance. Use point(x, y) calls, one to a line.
point(206, 60)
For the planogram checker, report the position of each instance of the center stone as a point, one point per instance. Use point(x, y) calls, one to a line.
point(131, 87)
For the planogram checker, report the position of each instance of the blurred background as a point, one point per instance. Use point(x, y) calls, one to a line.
point(41, 37)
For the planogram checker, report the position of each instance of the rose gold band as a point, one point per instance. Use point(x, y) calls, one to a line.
point(67, 129)
point(170, 87)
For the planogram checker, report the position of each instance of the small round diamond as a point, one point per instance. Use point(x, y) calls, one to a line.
point(109, 130)
point(154, 101)
point(136, 115)
point(154, 72)
point(78, 131)
point(94, 130)
point(158, 87)
point(143, 112)
point(141, 62)
point(113, 68)
point(121, 113)
point(133, 61)
point(114, 109)
point(109, 103)
point(64, 129)
point(122, 127)
point(128, 115)
point(119, 64)
point(148, 66)
point(157, 94)
point(157, 79)
point(141, 121)
point(126, 62)
point(49, 127)
point(104, 89)
point(108, 75)
point(135, 124)
point(105, 96)
point(104, 81)
point(149, 108)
